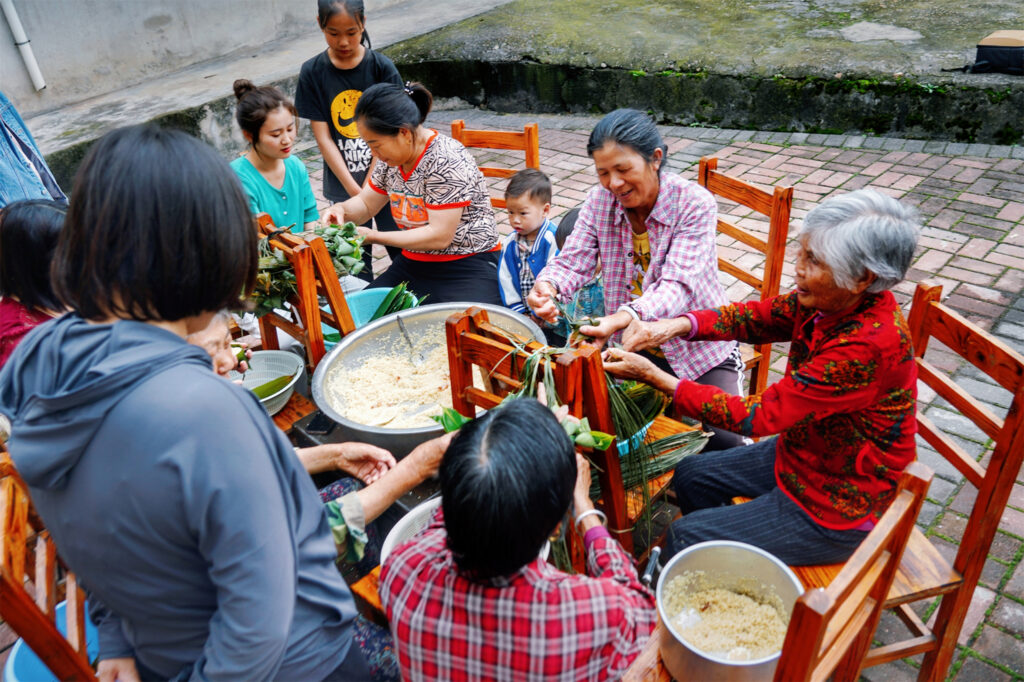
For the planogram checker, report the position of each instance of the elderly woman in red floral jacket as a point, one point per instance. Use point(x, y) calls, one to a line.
point(843, 412)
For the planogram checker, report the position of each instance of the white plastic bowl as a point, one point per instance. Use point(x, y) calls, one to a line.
point(415, 521)
point(265, 365)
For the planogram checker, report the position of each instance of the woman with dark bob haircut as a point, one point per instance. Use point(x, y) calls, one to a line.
point(169, 491)
point(655, 235)
point(28, 238)
point(447, 233)
point(470, 594)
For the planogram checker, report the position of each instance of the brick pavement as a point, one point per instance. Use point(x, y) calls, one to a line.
point(971, 199)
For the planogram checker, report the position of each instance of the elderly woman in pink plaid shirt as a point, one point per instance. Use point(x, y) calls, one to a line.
point(655, 236)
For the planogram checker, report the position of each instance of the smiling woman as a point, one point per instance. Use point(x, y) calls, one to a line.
point(843, 412)
point(654, 234)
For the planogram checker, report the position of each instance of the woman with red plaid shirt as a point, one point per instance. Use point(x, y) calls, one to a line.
point(844, 411)
point(469, 598)
point(655, 235)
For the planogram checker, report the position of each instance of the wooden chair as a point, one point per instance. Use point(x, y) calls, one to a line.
point(314, 276)
point(924, 573)
point(527, 141)
point(580, 383)
point(776, 205)
point(830, 629)
point(30, 554)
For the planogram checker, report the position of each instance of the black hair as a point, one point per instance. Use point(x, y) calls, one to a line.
point(534, 184)
point(629, 128)
point(325, 9)
point(386, 108)
point(506, 481)
point(256, 103)
point(159, 229)
point(28, 238)
point(565, 226)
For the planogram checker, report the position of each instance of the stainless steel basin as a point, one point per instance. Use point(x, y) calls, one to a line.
point(384, 336)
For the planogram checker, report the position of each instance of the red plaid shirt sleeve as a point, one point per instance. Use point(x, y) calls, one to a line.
point(538, 624)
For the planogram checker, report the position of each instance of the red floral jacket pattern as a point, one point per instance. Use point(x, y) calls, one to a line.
point(844, 412)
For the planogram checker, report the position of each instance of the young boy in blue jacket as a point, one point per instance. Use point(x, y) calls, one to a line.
point(531, 245)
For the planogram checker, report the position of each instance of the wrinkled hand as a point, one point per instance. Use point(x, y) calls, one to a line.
point(624, 365)
point(581, 492)
point(114, 669)
point(362, 460)
point(606, 326)
point(541, 300)
point(427, 456)
point(640, 335)
point(333, 215)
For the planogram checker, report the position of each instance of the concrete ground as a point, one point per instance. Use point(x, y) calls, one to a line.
point(972, 206)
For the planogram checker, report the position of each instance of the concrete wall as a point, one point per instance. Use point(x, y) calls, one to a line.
point(91, 47)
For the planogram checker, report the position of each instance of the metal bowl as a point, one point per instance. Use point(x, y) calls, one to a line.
point(266, 365)
point(383, 335)
point(730, 565)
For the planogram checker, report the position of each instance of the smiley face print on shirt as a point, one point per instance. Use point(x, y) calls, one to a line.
point(343, 113)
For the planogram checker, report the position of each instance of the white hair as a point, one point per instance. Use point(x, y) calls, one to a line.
point(860, 232)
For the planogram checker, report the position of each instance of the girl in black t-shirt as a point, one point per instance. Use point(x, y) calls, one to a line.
point(330, 85)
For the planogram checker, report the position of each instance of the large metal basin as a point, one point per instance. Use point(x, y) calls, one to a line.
point(730, 565)
point(384, 335)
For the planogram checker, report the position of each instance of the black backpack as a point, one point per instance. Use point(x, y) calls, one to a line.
point(1000, 52)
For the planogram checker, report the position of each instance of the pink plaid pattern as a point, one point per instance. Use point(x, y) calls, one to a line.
point(683, 274)
point(538, 624)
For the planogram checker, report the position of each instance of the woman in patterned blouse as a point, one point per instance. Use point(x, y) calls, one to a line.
point(447, 232)
point(655, 235)
point(844, 412)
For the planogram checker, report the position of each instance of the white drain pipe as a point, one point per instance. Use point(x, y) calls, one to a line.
point(21, 40)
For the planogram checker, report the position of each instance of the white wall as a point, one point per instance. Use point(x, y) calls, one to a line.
point(91, 47)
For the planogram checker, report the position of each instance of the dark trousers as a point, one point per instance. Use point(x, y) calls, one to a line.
point(473, 279)
point(771, 521)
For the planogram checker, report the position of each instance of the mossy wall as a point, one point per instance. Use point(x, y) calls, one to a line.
point(900, 107)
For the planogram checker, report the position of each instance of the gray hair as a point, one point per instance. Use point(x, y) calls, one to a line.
point(860, 232)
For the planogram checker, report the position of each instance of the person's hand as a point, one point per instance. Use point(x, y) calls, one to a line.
point(117, 669)
point(333, 215)
point(640, 335)
point(541, 300)
point(624, 365)
point(581, 492)
point(427, 456)
point(606, 326)
point(366, 233)
point(362, 460)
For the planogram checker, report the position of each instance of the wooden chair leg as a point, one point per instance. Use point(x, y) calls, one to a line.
point(948, 623)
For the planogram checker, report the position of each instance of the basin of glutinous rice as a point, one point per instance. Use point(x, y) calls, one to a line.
point(742, 622)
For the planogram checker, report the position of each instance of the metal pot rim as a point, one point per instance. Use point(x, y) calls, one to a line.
point(320, 374)
point(704, 546)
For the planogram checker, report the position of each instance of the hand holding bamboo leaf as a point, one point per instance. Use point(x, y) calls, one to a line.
point(542, 300)
point(623, 365)
point(641, 335)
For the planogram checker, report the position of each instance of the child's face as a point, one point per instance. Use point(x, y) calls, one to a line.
point(216, 340)
point(344, 34)
point(526, 215)
point(277, 134)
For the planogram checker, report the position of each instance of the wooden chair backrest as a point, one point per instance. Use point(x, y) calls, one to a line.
point(776, 206)
point(930, 319)
point(314, 276)
point(527, 141)
point(579, 381)
point(831, 629)
point(28, 553)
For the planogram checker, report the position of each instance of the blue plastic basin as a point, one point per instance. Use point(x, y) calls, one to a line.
point(362, 304)
point(24, 666)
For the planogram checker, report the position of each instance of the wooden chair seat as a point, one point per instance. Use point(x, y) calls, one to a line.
point(923, 573)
